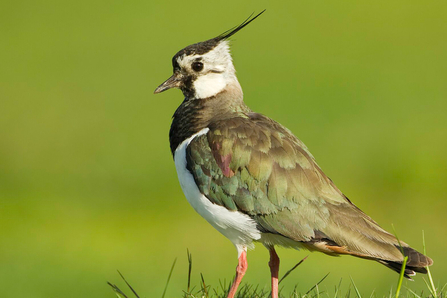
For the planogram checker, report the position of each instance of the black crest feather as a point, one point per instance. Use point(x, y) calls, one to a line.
point(234, 30)
point(206, 46)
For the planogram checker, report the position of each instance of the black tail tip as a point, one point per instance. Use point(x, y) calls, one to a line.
point(416, 262)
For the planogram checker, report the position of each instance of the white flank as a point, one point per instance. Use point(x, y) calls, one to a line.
point(236, 226)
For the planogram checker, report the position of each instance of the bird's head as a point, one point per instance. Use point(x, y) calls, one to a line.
point(204, 69)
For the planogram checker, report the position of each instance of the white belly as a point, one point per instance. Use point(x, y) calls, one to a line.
point(234, 225)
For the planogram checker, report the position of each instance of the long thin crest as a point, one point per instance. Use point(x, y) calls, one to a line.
point(234, 30)
point(203, 47)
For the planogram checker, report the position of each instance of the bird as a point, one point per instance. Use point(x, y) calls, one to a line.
point(254, 181)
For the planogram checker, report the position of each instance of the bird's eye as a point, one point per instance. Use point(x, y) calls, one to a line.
point(197, 66)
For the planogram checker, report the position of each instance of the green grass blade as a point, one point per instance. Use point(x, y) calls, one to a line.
point(117, 291)
point(338, 288)
point(189, 268)
point(433, 293)
point(432, 287)
point(404, 264)
point(135, 293)
point(316, 285)
point(204, 288)
point(120, 293)
point(169, 278)
point(355, 288)
point(398, 241)
point(442, 290)
point(349, 291)
point(413, 292)
point(401, 276)
point(293, 268)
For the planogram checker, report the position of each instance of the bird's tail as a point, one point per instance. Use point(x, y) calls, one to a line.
point(416, 262)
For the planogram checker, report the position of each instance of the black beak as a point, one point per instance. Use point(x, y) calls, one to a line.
point(174, 81)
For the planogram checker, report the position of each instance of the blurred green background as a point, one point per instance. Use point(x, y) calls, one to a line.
point(87, 181)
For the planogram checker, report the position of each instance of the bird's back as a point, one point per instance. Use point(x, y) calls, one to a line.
point(253, 165)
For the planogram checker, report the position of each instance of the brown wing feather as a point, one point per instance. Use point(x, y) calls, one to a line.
point(255, 165)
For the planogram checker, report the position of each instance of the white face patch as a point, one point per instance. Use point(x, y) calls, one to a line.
point(217, 73)
point(209, 85)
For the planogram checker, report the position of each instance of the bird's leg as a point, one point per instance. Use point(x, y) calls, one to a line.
point(274, 270)
point(240, 272)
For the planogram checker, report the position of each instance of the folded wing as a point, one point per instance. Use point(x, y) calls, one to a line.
point(256, 166)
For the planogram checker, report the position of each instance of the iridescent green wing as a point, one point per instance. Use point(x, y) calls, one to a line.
point(256, 166)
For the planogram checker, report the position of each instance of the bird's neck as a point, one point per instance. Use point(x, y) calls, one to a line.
point(195, 114)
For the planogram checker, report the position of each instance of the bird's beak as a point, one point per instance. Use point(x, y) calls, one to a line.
point(173, 82)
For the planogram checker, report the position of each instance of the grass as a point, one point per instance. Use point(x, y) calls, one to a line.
point(430, 286)
point(252, 291)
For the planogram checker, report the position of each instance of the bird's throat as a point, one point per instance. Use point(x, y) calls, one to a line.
point(194, 115)
point(209, 85)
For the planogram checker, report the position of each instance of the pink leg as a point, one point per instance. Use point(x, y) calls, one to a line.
point(240, 272)
point(274, 269)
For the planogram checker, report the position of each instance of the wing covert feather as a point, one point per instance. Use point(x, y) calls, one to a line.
point(258, 167)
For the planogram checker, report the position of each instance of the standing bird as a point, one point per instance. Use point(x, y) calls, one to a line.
point(253, 180)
